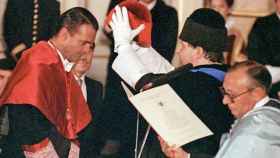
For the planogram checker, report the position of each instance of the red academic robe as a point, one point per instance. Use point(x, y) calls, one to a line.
point(40, 80)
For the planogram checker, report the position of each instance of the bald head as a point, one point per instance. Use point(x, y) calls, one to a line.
point(244, 85)
point(256, 74)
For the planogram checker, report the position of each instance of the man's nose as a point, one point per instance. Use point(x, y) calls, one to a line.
point(226, 100)
point(87, 48)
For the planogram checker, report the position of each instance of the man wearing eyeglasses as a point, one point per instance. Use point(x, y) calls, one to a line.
point(255, 133)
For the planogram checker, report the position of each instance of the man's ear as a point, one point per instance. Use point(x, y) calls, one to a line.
point(199, 52)
point(63, 33)
point(258, 92)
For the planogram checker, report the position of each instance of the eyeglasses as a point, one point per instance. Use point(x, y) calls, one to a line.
point(233, 97)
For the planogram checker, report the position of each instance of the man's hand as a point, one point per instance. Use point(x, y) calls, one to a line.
point(4, 77)
point(171, 151)
point(122, 32)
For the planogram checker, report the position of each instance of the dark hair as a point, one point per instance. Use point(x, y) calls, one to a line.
point(257, 72)
point(228, 2)
point(75, 17)
point(214, 56)
point(7, 63)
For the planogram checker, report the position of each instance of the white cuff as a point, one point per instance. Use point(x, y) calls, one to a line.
point(47, 151)
point(128, 66)
point(152, 60)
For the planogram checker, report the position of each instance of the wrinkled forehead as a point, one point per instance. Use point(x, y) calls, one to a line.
point(237, 79)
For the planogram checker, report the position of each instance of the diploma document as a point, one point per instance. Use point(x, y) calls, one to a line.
point(168, 115)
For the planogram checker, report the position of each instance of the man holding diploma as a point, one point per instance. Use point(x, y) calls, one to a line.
point(197, 82)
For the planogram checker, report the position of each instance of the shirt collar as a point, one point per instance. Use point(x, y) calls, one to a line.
point(278, 15)
point(258, 105)
point(81, 78)
point(149, 6)
point(229, 23)
point(66, 63)
point(261, 103)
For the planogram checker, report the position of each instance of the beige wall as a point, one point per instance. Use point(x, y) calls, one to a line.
point(245, 12)
point(2, 9)
point(256, 7)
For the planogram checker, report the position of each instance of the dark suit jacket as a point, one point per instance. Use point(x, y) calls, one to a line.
point(91, 138)
point(264, 44)
point(94, 94)
point(18, 21)
point(165, 29)
point(201, 156)
point(264, 40)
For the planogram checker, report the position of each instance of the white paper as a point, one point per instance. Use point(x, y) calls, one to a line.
point(169, 116)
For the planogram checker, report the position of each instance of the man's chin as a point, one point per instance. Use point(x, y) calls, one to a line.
point(235, 115)
point(74, 59)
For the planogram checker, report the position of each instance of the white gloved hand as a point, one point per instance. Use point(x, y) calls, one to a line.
point(122, 32)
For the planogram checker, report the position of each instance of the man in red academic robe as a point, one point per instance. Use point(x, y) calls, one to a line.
point(6, 66)
point(47, 112)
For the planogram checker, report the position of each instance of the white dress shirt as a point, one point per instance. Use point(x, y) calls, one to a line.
point(66, 63)
point(82, 83)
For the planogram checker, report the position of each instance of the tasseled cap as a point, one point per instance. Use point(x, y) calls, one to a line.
point(205, 28)
point(138, 14)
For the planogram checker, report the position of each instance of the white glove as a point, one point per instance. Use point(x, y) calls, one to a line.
point(122, 32)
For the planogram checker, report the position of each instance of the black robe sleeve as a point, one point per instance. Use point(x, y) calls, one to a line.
point(27, 124)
